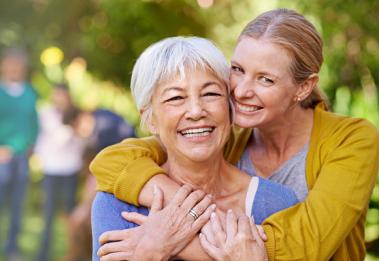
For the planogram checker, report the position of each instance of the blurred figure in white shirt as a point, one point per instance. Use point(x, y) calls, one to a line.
point(60, 150)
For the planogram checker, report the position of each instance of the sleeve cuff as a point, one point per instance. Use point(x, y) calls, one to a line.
point(128, 187)
point(270, 243)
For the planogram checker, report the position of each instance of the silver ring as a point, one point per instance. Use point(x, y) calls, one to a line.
point(193, 214)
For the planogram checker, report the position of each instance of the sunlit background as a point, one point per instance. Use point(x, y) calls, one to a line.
point(93, 44)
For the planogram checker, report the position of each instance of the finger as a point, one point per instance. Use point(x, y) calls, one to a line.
point(261, 232)
point(207, 231)
point(244, 226)
point(255, 232)
point(116, 256)
point(199, 208)
point(217, 229)
point(204, 218)
point(209, 248)
point(114, 235)
point(112, 248)
point(157, 203)
point(134, 217)
point(180, 195)
point(192, 199)
point(231, 224)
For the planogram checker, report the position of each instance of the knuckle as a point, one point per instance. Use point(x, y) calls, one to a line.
point(197, 194)
point(186, 188)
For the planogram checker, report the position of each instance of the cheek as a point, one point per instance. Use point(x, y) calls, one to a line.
point(233, 82)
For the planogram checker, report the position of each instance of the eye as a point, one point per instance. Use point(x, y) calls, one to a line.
point(266, 80)
point(212, 94)
point(235, 68)
point(175, 98)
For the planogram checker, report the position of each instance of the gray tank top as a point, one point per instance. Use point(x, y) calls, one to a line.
point(290, 174)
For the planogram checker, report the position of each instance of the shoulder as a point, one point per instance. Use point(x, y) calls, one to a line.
point(30, 90)
point(271, 197)
point(340, 128)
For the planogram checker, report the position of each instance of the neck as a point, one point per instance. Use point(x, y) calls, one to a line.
point(209, 175)
point(293, 131)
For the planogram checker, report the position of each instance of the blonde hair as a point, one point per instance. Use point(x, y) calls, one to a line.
point(298, 36)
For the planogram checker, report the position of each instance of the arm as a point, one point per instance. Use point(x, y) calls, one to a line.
point(124, 168)
point(336, 205)
point(165, 232)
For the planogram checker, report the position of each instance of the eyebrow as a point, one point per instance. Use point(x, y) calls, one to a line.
point(259, 72)
point(177, 88)
point(205, 85)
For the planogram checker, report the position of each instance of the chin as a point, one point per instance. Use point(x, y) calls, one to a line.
point(200, 154)
point(243, 122)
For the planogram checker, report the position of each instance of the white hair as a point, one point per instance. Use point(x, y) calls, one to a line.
point(171, 57)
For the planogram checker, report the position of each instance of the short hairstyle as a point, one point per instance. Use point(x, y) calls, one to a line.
point(298, 36)
point(16, 53)
point(171, 57)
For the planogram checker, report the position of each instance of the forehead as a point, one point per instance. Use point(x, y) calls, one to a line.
point(262, 54)
point(196, 77)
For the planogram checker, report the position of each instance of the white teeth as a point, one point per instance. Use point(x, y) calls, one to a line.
point(247, 108)
point(196, 132)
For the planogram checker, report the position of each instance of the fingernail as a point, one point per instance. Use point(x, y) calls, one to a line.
point(210, 196)
point(230, 211)
point(213, 215)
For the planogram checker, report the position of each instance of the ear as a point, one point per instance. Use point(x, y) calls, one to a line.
point(152, 129)
point(149, 119)
point(151, 124)
point(306, 88)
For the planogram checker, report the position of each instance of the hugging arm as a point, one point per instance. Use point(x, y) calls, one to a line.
point(163, 234)
point(338, 200)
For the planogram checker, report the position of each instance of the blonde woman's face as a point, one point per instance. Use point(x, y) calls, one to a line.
point(191, 116)
point(262, 86)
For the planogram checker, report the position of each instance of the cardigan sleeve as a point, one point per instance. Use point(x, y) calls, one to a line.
point(347, 165)
point(124, 168)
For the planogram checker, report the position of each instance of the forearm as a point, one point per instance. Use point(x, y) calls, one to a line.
point(167, 185)
point(194, 251)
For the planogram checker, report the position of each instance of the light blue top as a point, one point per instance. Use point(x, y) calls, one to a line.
point(291, 174)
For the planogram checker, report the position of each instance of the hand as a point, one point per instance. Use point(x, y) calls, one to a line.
point(119, 244)
point(164, 233)
point(5, 154)
point(240, 241)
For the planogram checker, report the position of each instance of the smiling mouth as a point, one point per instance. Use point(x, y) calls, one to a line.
point(248, 108)
point(197, 132)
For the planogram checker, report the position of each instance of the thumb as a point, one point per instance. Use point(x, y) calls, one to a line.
point(157, 203)
point(134, 217)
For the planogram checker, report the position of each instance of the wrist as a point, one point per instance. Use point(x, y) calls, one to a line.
point(148, 250)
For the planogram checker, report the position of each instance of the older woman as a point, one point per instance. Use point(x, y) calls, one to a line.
point(180, 86)
point(330, 161)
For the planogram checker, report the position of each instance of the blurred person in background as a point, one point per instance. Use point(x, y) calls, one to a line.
point(101, 128)
point(18, 132)
point(60, 149)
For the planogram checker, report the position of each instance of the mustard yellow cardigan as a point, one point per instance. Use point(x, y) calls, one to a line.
point(341, 168)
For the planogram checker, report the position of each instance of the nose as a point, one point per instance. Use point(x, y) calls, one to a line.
point(195, 109)
point(244, 89)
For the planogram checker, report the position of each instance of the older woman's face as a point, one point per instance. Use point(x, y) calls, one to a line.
point(262, 86)
point(191, 116)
